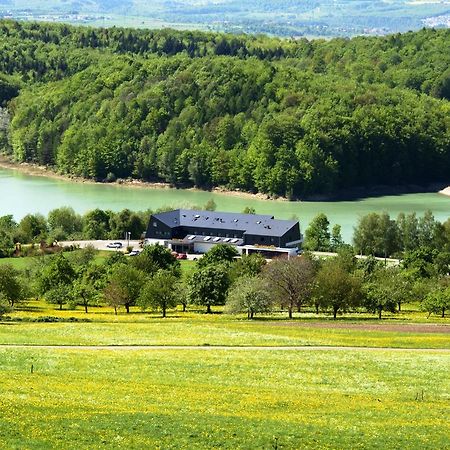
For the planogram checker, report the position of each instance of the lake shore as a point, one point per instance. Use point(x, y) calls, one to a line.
point(351, 194)
point(445, 191)
point(44, 171)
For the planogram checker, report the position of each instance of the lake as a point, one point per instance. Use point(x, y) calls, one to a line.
point(21, 194)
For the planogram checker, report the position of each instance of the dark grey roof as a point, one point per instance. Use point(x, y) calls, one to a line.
point(256, 224)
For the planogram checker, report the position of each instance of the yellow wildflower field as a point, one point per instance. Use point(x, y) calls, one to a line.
point(227, 399)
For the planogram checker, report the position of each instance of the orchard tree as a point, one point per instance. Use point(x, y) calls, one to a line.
point(382, 293)
point(124, 286)
point(115, 294)
point(87, 286)
point(251, 295)
point(437, 301)
point(248, 265)
point(57, 272)
point(154, 258)
point(219, 254)
point(337, 289)
point(60, 295)
point(208, 286)
point(291, 281)
point(160, 292)
point(12, 289)
point(55, 280)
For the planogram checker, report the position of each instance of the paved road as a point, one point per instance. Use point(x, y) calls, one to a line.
point(101, 245)
point(217, 347)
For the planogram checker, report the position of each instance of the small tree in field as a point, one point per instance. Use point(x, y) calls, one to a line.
point(209, 285)
point(250, 295)
point(335, 288)
point(115, 295)
point(124, 286)
point(437, 301)
point(11, 287)
point(378, 294)
point(290, 281)
point(160, 293)
point(59, 295)
point(56, 278)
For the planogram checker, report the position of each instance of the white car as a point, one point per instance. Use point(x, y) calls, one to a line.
point(134, 253)
point(114, 245)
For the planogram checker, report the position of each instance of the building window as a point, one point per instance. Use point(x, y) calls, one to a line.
point(155, 224)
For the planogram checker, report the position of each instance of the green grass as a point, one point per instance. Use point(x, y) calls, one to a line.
point(197, 328)
point(100, 257)
point(224, 399)
point(19, 263)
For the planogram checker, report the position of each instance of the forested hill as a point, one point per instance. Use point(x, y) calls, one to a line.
point(287, 118)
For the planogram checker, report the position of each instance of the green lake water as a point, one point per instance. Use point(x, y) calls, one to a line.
point(21, 194)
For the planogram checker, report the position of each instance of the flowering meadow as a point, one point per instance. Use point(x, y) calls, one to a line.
point(211, 398)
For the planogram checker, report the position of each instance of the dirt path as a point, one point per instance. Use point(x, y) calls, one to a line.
point(417, 328)
point(214, 347)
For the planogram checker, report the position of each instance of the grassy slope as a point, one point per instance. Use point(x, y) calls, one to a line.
point(223, 399)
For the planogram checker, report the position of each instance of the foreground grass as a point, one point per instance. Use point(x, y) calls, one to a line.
point(224, 399)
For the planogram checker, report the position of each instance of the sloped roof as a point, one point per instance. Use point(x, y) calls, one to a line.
point(256, 224)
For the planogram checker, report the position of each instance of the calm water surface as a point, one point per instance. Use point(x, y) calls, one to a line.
point(21, 194)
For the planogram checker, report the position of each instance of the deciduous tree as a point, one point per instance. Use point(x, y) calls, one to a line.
point(251, 295)
point(208, 285)
point(291, 281)
point(160, 292)
point(336, 289)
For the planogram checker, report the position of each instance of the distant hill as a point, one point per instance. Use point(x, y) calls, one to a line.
point(276, 17)
point(283, 117)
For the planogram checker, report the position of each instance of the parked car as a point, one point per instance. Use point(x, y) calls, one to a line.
point(114, 245)
point(181, 256)
point(134, 253)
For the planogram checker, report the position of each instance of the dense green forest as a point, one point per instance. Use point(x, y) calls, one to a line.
point(291, 117)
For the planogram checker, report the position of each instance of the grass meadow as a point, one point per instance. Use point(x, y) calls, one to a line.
point(213, 398)
point(227, 399)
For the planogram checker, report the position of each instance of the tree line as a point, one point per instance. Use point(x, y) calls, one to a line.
point(289, 118)
point(64, 224)
point(153, 281)
point(377, 234)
